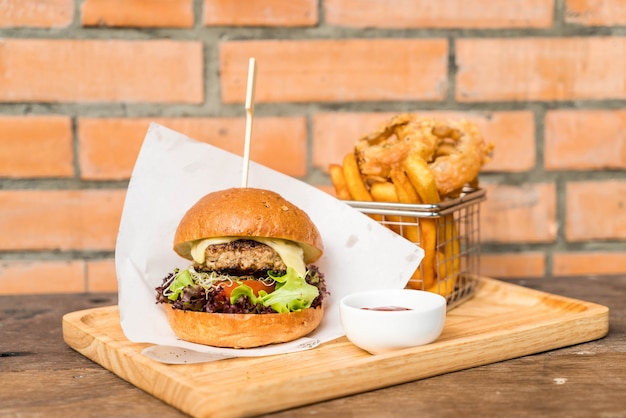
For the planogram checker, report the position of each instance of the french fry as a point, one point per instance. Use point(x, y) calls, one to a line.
point(421, 178)
point(448, 259)
point(353, 178)
point(407, 194)
point(428, 241)
point(355, 183)
point(423, 181)
point(339, 182)
point(444, 287)
point(383, 191)
point(404, 189)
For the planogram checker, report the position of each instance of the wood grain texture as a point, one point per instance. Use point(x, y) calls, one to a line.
point(43, 376)
point(502, 321)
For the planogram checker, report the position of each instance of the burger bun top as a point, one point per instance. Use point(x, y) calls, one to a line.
point(246, 213)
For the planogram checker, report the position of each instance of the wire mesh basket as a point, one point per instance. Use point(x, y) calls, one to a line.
point(449, 233)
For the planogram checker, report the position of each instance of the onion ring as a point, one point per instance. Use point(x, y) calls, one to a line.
point(461, 165)
point(381, 151)
point(454, 150)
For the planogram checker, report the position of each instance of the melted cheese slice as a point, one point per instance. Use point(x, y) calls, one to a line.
point(289, 252)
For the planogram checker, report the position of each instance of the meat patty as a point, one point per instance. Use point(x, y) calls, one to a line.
point(242, 256)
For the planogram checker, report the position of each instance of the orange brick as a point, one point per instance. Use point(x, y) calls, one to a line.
point(336, 70)
point(36, 14)
point(109, 146)
point(260, 13)
point(513, 134)
point(138, 13)
point(595, 210)
point(440, 14)
point(36, 146)
point(43, 277)
point(513, 265)
point(596, 12)
point(585, 140)
point(126, 71)
point(589, 263)
point(60, 219)
point(519, 214)
point(541, 69)
point(101, 276)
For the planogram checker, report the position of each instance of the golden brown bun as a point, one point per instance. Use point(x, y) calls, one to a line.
point(247, 212)
point(242, 330)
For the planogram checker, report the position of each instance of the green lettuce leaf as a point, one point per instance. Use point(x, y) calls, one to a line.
point(292, 293)
point(243, 290)
point(181, 280)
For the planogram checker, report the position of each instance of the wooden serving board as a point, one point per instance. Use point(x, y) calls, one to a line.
point(502, 321)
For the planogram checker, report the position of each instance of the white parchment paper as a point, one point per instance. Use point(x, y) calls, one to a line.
point(172, 172)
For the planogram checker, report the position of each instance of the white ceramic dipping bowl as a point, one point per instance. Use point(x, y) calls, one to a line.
point(381, 331)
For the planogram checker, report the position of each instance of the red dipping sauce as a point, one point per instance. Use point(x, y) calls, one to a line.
point(388, 308)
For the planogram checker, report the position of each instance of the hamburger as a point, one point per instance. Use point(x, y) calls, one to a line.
point(251, 281)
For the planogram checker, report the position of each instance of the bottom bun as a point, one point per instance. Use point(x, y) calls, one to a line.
point(242, 330)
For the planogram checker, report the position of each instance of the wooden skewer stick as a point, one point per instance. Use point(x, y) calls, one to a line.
point(249, 117)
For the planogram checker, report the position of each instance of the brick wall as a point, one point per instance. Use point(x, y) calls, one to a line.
point(81, 79)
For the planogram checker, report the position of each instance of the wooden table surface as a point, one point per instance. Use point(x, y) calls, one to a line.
point(40, 376)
